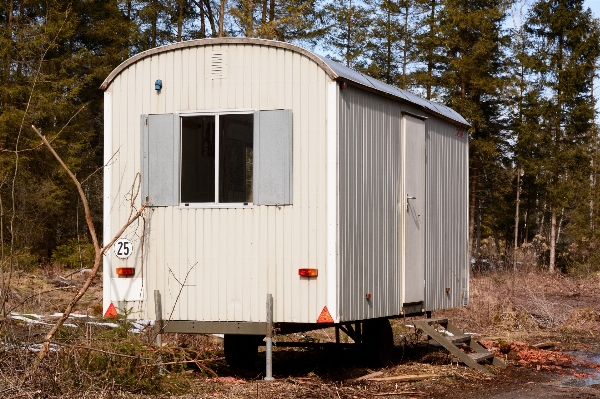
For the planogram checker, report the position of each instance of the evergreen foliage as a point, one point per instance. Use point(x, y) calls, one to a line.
point(527, 91)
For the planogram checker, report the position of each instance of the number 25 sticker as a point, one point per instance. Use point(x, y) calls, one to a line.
point(123, 248)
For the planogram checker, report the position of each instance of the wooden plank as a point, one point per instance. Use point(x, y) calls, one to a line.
point(433, 333)
point(456, 340)
point(480, 357)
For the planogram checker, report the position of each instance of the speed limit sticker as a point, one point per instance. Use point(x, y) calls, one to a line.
point(123, 248)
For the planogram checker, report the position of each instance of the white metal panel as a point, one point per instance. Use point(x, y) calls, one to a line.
point(369, 180)
point(413, 209)
point(446, 242)
point(332, 197)
point(234, 257)
point(107, 205)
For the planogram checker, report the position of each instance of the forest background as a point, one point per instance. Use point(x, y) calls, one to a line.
point(521, 72)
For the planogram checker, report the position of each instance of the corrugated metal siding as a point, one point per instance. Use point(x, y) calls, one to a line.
point(369, 188)
point(446, 232)
point(229, 258)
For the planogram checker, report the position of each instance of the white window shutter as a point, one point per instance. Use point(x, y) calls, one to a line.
point(160, 159)
point(273, 157)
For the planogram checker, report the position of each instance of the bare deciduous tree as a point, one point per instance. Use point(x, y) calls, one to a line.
point(99, 250)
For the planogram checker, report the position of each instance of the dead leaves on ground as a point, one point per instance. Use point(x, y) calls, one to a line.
point(557, 361)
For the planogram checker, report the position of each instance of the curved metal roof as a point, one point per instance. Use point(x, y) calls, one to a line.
point(334, 70)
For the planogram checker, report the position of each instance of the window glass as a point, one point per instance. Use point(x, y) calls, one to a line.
point(198, 159)
point(236, 136)
point(234, 148)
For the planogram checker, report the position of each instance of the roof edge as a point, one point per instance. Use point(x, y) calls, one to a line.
point(217, 41)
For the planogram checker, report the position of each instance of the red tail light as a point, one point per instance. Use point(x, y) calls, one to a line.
point(308, 272)
point(125, 271)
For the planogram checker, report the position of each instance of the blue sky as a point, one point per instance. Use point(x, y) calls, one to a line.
point(594, 5)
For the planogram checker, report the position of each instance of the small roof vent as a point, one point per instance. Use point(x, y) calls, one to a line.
point(216, 64)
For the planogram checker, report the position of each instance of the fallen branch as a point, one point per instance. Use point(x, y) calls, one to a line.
point(192, 361)
point(367, 376)
point(405, 378)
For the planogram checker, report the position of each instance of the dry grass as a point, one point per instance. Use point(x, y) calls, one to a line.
point(102, 362)
point(504, 303)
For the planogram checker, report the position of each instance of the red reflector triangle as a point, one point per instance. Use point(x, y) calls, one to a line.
point(325, 317)
point(111, 312)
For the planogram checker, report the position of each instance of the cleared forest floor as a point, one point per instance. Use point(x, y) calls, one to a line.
point(547, 328)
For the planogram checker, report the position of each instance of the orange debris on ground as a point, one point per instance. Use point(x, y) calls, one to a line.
point(544, 360)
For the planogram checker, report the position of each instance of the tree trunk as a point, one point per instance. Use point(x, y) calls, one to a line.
point(430, 51)
point(154, 23)
point(265, 7)
point(202, 22)
point(559, 227)
point(348, 32)
point(477, 248)
point(249, 18)
point(405, 50)
point(180, 21)
point(552, 241)
point(221, 18)
point(271, 10)
point(8, 59)
point(211, 18)
point(473, 199)
point(517, 203)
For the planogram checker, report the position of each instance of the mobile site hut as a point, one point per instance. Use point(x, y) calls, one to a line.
point(272, 170)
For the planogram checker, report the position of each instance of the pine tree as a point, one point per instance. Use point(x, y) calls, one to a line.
point(567, 46)
point(80, 45)
point(427, 46)
point(472, 80)
point(389, 41)
point(348, 32)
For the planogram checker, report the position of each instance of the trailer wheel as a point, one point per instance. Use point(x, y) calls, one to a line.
point(241, 350)
point(378, 341)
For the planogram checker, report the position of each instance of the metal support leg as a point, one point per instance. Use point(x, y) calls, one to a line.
point(269, 354)
point(159, 319)
point(337, 334)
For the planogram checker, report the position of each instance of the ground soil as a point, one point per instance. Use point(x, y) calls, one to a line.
point(507, 311)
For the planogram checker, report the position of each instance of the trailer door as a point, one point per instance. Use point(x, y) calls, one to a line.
point(413, 131)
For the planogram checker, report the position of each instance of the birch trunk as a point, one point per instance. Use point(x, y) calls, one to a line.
point(552, 241)
point(517, 203)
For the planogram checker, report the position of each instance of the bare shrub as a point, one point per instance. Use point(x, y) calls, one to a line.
point(527, 301)
point(109, 361)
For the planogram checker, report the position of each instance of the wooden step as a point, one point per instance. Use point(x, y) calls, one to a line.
point(480, 357)
point(457, 339)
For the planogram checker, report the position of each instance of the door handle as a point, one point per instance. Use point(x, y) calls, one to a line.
point(408, 197)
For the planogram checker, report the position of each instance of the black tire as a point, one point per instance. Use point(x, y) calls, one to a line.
point(377, 341)
point(241, 350)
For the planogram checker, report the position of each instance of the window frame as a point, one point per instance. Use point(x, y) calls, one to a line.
point(216, 114)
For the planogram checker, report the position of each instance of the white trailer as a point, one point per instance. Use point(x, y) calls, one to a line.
point(272, 170)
